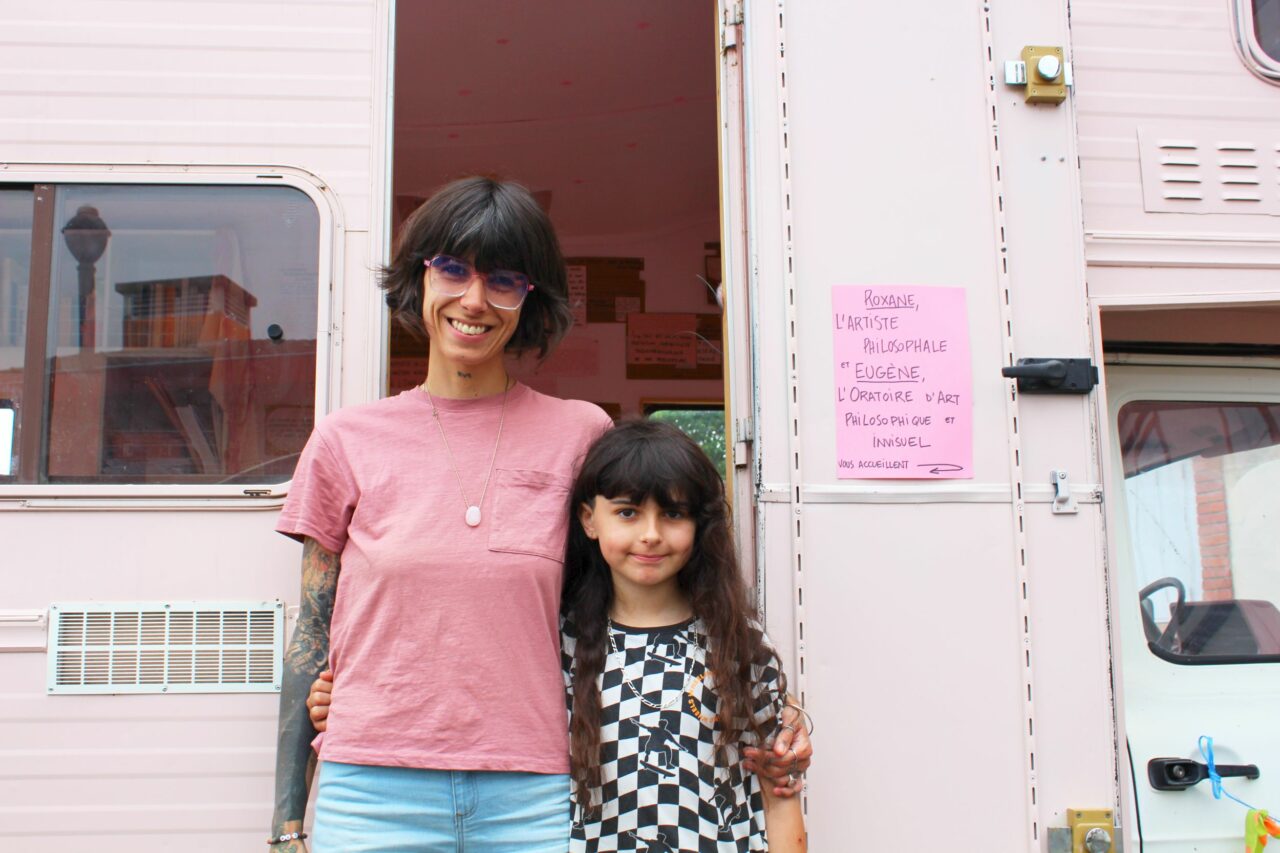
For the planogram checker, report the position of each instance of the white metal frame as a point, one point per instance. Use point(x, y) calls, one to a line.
point(380, 191)
point(1018, 502)
point(739, 300)
point(1255, 58)
point(795, 458)
point(329, 301)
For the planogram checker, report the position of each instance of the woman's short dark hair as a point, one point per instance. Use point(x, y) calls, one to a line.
point(496, 225)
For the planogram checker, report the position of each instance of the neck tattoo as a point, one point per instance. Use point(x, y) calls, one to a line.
point(472, 516)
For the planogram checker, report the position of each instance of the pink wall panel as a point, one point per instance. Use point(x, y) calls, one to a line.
point(1147, 73)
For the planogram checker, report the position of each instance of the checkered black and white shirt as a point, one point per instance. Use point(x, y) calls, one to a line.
point(662, 791)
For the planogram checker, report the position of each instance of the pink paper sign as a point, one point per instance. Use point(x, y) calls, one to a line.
point(904, 405)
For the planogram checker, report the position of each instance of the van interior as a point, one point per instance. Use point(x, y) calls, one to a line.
point(607, 112)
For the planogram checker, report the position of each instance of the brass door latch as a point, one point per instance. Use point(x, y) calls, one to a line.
point(1044, 71)
point(1092, 830)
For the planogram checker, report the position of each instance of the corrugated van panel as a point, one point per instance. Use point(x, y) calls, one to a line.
point(273, 83)
point(128, 772)
point(1167, 64)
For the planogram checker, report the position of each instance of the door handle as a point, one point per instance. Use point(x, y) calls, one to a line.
point(1178, 774)
point(1050, 371)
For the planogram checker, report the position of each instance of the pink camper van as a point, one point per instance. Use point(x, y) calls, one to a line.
point(976, 302)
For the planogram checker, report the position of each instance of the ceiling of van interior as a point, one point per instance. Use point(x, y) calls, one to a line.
point(608, 106)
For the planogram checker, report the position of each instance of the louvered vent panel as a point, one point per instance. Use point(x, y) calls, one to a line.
point(166, 647)
point(1200, 169)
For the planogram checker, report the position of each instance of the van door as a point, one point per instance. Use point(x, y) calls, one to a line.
point(1199, 582)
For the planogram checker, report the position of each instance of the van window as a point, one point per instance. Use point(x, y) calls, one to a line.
point(1266, 26)
point(157, 334)
point(1202, 481)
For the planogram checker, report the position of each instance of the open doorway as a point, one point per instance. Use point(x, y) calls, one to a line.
point(607, 111)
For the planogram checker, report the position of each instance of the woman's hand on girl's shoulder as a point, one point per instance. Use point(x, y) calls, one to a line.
point(782, 765)
point(318, 707)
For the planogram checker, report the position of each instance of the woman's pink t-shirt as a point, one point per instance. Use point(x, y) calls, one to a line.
point(445, 642)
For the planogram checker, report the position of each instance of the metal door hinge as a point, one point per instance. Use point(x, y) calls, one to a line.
point(1063, 503)
point(732, 26)
point(743, 437)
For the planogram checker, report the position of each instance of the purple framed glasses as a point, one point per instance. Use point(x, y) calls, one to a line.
point(504, 289)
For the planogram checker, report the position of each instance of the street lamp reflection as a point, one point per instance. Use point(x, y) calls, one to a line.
point(86, 236)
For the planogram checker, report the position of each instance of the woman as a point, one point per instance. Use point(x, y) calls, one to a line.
point(433, 529)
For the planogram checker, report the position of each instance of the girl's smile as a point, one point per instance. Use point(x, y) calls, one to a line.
point(644, 544)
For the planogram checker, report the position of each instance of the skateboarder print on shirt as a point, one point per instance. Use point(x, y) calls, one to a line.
point(659, 741)
point(652, 845)
point(725, 800)
point(672, 651)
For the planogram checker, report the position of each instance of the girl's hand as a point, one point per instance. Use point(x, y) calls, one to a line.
point(783, 764)
point(318, 701)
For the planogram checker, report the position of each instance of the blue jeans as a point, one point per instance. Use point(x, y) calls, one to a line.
point(367, 809)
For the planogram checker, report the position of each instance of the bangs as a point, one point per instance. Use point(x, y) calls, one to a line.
point(493, 233)
point(648, 470)
point(642, 459)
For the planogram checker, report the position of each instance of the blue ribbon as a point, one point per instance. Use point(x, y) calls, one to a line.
point(1206, 752)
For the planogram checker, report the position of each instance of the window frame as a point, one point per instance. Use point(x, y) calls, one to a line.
point(328, 302)
point(1257, 60)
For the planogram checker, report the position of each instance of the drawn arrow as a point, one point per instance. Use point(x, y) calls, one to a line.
point(940, 467)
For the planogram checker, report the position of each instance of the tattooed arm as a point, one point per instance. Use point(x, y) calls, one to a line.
point(307, 656)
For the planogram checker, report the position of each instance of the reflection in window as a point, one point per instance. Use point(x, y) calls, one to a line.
point(1266, 26)
point(1201, 482)
point(181, 334)
point(16, 205)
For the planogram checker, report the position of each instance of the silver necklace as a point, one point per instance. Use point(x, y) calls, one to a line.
point(472, 516)
point(688, 678)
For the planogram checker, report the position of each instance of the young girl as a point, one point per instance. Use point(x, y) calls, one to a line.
point(670, 681)
point(668, 675)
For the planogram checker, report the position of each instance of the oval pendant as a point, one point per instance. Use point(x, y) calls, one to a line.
point(473, 516)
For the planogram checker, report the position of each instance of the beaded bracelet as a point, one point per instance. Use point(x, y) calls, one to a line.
point(284, 839)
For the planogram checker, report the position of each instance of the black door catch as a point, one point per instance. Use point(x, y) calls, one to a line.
point(1053, 375)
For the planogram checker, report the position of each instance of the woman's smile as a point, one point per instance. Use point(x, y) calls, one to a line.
point(470, 330)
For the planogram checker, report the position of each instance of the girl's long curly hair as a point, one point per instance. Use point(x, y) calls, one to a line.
point(638, 460)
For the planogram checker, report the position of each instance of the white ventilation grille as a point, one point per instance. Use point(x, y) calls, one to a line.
point(165, 647)
point(1203, 170)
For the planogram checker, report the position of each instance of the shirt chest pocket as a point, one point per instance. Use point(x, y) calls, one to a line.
point(530, 513)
